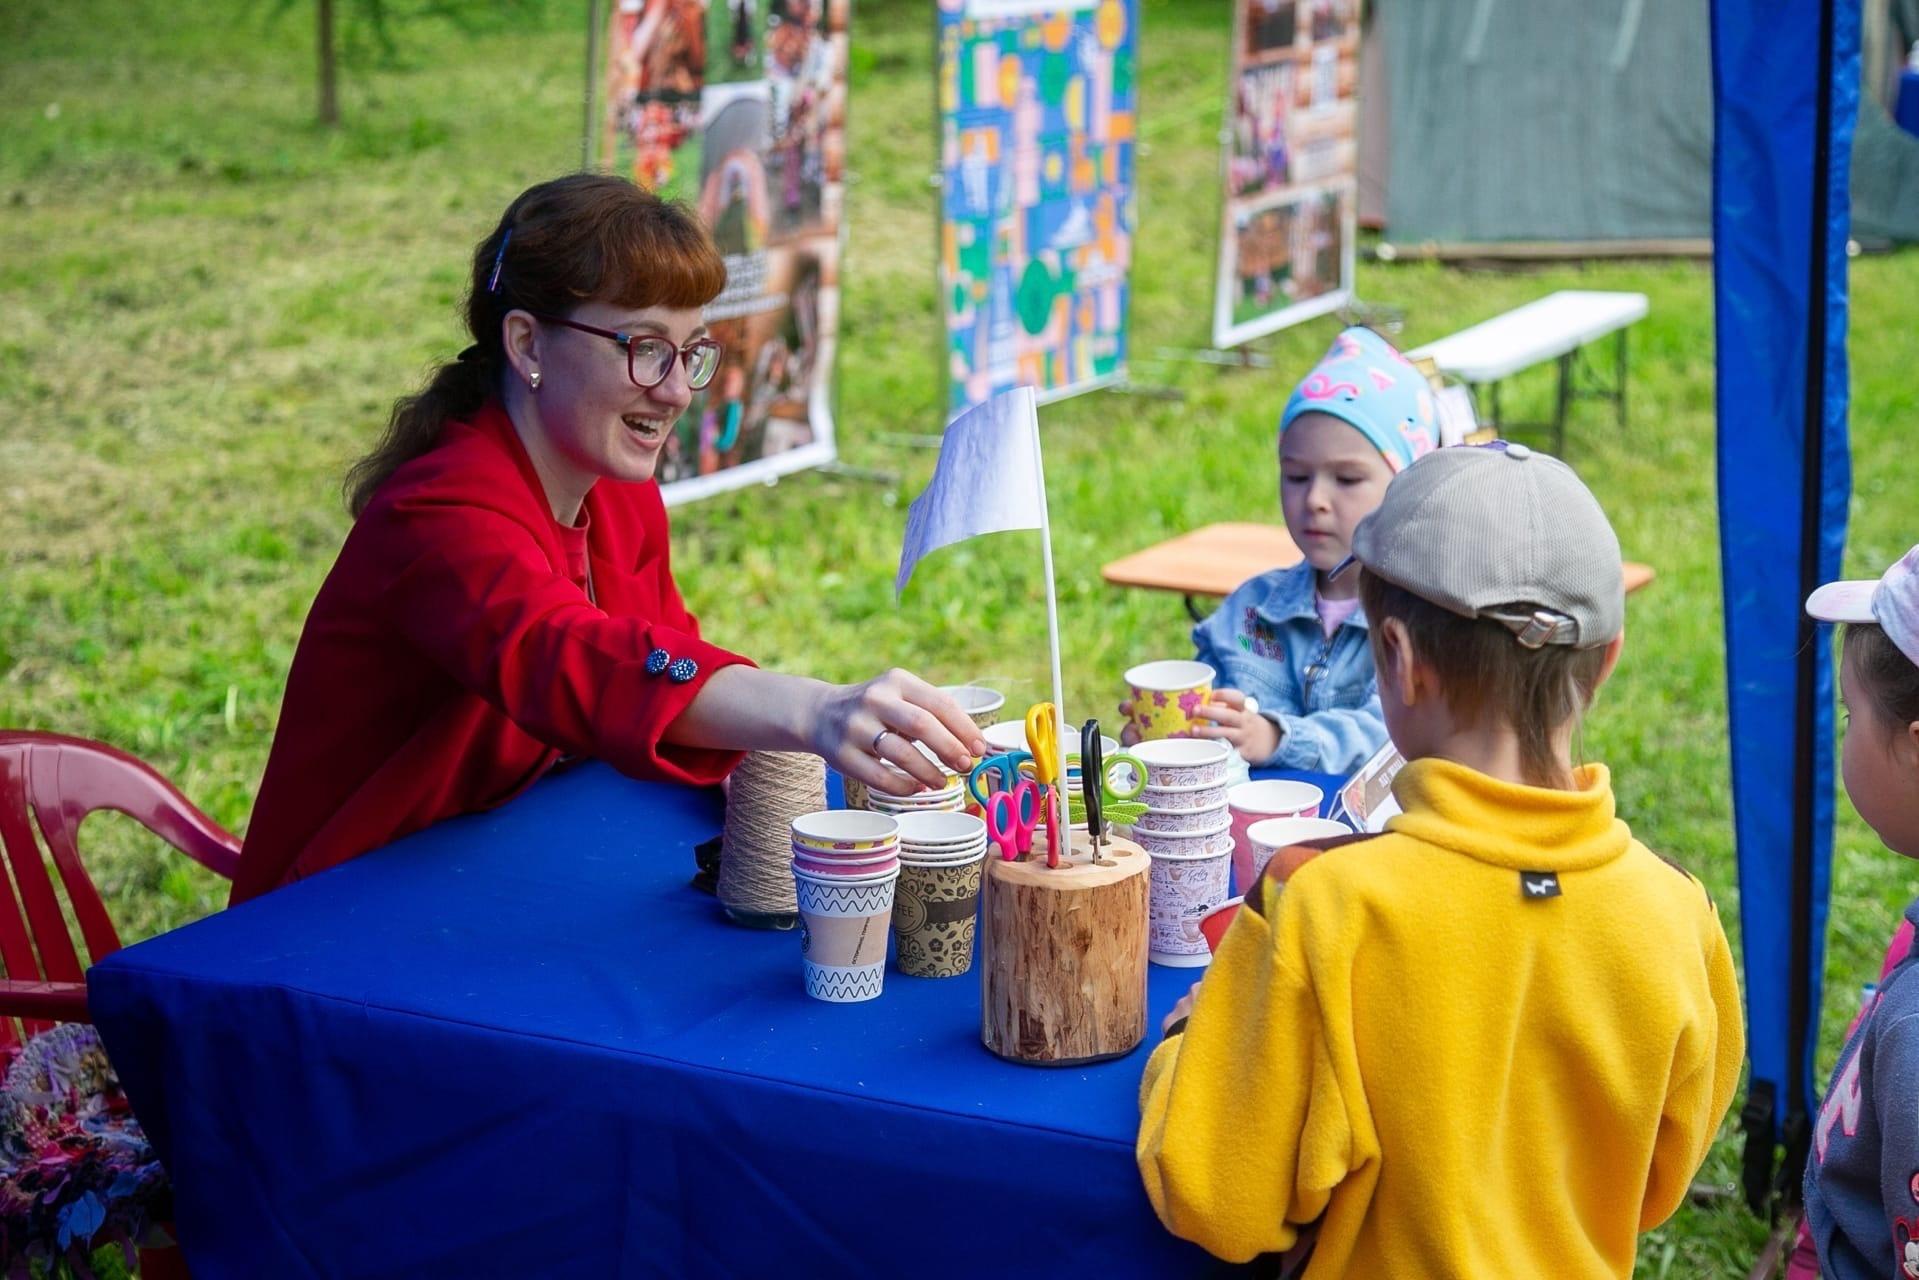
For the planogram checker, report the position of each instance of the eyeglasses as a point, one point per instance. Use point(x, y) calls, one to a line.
point(649, 359)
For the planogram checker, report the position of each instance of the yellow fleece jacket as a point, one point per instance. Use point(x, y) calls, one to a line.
point(1449, 1076)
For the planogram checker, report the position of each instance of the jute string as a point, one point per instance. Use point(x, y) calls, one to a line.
point(768, 791)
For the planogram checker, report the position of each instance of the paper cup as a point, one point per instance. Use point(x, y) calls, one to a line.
point(851, 866)
point(1207, 795)
point(843, 930)
point(1268, 836)
point(1166, 697)
point(1183, 891)
point(1181, 822)
point(1007, 735)
point(1252, 802)
point(1185, 844)
point(940, 832)
point(981, 704)
point(845, 830)
point(935, 915)
point(1184, 762)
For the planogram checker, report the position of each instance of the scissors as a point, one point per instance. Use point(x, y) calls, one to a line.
point(1012, 815)
point(1042, 739)
point(1102, 797)
point(1002, 773)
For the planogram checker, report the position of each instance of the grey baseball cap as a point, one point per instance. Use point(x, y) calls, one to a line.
point(1500, 531)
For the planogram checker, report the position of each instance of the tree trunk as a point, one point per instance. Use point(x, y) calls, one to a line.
point(329, 77)
point(1063, 956)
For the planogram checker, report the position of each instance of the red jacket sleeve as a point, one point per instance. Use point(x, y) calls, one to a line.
point(473, 588)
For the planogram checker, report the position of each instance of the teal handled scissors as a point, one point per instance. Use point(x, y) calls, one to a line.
point(1002, 772)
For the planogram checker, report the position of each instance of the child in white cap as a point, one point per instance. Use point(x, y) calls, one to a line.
point(1862, 1181)
point(1496, 1040)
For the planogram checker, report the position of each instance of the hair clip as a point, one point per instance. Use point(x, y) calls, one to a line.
point(499, 260)
point(1333, 574)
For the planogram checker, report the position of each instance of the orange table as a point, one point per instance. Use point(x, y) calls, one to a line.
point(1214, 560)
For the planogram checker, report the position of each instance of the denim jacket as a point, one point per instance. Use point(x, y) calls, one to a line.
point(1266, 640)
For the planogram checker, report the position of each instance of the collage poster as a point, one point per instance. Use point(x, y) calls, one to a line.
point(1038, 118)
point(1291, 166)
point(738, 108)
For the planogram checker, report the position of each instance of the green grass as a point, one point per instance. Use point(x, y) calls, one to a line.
point(210, 303)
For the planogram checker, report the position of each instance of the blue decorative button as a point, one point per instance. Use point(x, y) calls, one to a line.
point(683, 670)
point(657, 661)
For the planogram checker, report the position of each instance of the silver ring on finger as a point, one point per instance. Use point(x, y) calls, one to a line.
point(875, 747)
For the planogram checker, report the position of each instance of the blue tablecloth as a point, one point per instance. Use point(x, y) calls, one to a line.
point(520, 1044)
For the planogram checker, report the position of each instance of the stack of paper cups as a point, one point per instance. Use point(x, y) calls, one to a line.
point(1188, 831)
point(902, 798)
point(845, 866)
point(936, 907)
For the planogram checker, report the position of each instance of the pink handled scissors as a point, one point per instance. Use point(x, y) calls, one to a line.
point(1011, 817)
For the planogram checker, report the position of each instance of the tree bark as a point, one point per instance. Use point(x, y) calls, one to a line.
point(1063, 956)
point(329, 77)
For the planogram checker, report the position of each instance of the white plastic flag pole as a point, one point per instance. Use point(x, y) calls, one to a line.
point(1052, 631)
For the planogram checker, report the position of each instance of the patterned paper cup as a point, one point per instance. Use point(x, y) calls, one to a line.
point(1184, 762)
point(981, 704)
point(1183, 891)
point(1271, 835)
point(1257, 801)
point(935, 915)
point(843, 930)
point(940, 832)
point(1167, 696)
point(1186, 844)
point(846, 866)
point(845, 830)
point(1181, 822)
point(1207, 795)
point(949, 801)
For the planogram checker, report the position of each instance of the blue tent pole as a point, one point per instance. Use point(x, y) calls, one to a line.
point(1782, 144)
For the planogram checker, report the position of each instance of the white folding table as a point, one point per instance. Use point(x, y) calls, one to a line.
point(1553, 328)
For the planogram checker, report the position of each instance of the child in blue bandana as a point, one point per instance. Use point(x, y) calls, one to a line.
point(1296, 688)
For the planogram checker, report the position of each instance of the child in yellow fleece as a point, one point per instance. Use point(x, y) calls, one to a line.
point(1497, 1039)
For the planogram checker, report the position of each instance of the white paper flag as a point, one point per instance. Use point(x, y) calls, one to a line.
point(987, 480)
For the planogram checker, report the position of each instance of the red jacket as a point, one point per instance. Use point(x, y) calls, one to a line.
point(452, 655)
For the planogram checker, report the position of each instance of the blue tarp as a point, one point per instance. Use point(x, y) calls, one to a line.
point(1786, 77)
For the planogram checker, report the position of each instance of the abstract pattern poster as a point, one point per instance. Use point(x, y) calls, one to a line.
point(738, 108)
point(1038, 124)
point(1291, 166)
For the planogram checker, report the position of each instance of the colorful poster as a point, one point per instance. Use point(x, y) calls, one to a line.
point(738, 108)
point(1038, 116)
point(1291, 166)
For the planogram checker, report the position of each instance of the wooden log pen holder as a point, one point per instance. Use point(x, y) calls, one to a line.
point(1063, 953)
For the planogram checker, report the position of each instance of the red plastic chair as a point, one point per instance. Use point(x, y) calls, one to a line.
point(59, 781)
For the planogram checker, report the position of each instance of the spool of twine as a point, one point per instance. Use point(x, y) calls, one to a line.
point(768, 791)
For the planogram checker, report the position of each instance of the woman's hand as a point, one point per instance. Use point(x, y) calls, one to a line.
point(858, 726)
point(1236, 719)
point(1129, 732)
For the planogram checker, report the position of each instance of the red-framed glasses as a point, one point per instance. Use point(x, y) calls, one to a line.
point(649, 357)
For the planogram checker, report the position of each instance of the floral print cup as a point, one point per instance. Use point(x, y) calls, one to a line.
point(1185, 762)
point(1167, 696)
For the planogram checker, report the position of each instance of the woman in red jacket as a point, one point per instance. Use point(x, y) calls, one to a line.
point(505, 598)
